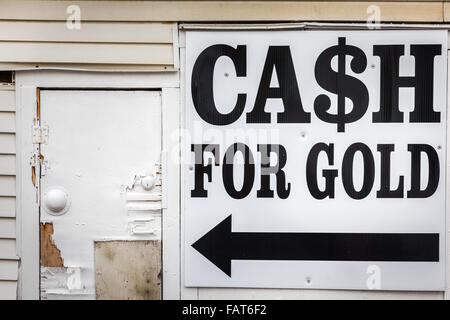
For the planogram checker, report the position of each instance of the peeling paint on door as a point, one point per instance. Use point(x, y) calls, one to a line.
point(50, 254)
point(100, 140)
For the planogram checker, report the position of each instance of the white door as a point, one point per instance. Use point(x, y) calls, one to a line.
point(100, 208)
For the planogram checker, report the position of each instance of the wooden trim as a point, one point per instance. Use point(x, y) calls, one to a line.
point(171, 213)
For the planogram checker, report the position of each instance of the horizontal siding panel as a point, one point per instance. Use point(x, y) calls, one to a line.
point(7, 186)
point(9, 269)
point(7, 122)
point(7, 228)
point(7, 100)
point(7, 165)
point(8, 290)
point(417, 11)
point(7, 207)
point(86, 53)
point(90, 67)
point(7, 143)
point(54, 31)
point(8, 249)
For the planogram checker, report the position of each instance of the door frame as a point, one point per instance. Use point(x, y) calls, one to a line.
point(28, 242)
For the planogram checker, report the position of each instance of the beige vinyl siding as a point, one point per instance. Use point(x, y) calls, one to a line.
point(7, 122)
point(99, 53)
point(8, 228)
point(90, 32)
point(7, 100)
point(7, 207)
point(7, 186)
point(8, 269)
point(8, 290)
point(7, 164)
point(446, 11)
point(8, 249)
point(96, 45)
point(188, 11)
point(7, 143)
point(9, 263)
point(141, 35)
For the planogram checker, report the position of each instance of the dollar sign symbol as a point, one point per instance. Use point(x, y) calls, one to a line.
point(341, 84)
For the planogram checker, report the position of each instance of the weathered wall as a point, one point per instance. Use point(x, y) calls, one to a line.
point(44, 22)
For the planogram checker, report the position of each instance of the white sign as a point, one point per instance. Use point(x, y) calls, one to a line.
point(316, 159)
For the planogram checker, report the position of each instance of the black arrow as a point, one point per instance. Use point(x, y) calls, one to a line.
point(220, 246)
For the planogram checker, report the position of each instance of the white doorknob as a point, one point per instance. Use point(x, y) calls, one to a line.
point(56, 201)
point(148, 182)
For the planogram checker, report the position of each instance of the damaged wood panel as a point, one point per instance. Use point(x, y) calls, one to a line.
point(128, 270)
point(50, 254)
point(63, 284)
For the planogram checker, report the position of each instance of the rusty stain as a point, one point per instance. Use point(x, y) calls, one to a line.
point(130, 188)
point(33, 175)
point(50, 254)
point(38, 102)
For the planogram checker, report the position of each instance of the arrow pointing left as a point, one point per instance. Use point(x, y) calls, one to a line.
point(220, 245)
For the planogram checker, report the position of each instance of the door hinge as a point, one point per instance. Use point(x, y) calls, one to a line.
point(38, 161)
point(40, 134)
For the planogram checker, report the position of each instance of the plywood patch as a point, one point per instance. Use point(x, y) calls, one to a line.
point(50, 254)
point(128, 270)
